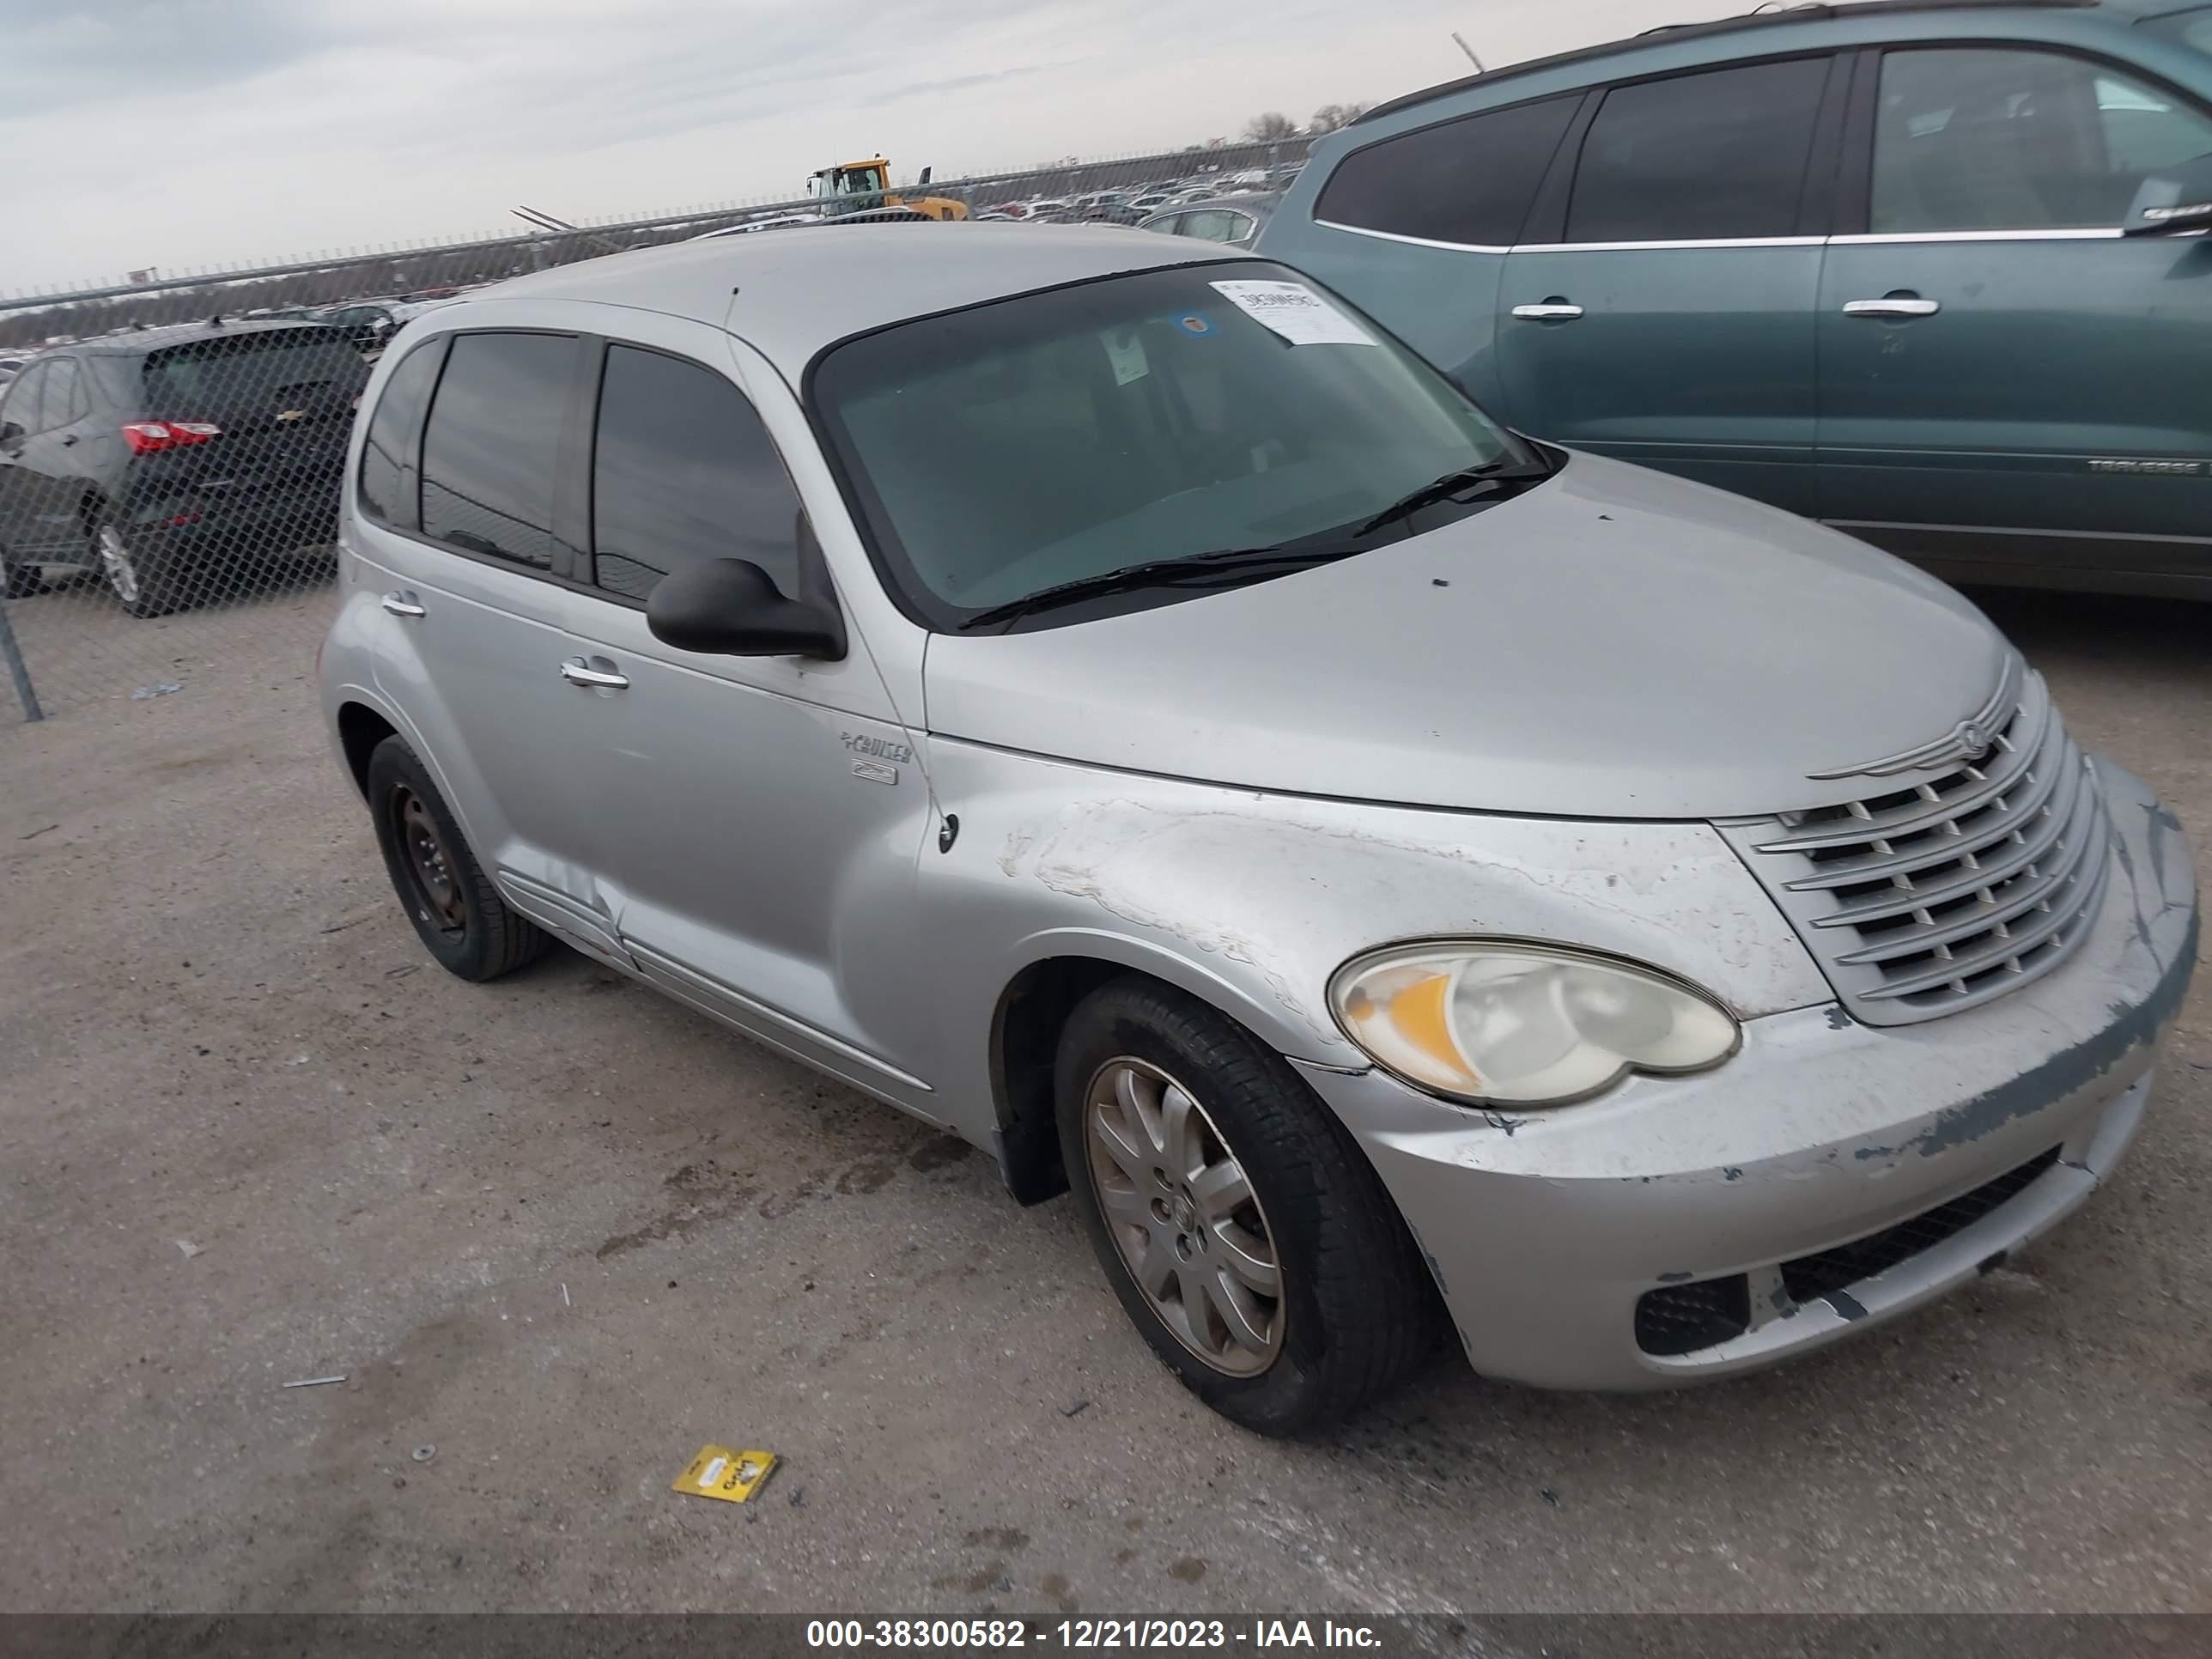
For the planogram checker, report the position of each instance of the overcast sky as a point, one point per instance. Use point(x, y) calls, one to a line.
point(179, 133)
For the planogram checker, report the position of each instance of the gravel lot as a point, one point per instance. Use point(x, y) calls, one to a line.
point(566, 1232)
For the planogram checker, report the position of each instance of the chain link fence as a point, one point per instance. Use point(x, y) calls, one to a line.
point(172, 449)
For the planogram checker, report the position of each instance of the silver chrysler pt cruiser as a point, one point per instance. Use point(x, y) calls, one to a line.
point(1107, 698)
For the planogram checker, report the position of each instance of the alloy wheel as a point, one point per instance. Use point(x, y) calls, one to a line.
point(1183, 1213)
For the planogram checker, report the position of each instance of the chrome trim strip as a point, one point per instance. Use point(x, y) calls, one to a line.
point(1880, 239)
point(1885, 238)
point(1416, 241)
point(1636, 247)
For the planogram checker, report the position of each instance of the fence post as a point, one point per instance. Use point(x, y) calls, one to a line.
point(18, 670)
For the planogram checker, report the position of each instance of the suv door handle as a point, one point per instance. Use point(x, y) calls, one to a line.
point(1552, 311)
point(577, 671)
point(402, 605)
point(1896, 305)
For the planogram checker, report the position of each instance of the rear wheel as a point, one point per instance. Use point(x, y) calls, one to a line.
point(457, 911)
point(18, 581)
point(144, 585)
point(1243, 1229)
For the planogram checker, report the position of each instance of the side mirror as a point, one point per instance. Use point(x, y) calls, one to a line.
point(730, 608)
point(10, 431)
point(925, 176)
point(2177, 199)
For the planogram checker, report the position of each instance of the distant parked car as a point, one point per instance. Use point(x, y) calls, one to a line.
point(1936, 274)
point(151, 457)
point(368, 325)
point(1231, 221)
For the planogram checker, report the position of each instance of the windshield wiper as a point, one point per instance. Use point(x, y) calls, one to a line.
point(1490, 477)
point(1225, 566)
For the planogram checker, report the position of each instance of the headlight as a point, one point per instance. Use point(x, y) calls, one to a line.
point(1528, 1025)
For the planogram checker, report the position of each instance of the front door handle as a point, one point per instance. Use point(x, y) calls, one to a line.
point(577, 671)
point(402, 605)
point(1552, 311)
point(1895, 305)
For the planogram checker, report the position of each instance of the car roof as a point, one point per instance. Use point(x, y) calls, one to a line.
point(793, 292)
point(154, 339)
point(1781, 18)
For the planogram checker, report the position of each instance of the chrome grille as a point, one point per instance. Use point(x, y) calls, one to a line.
point(1941, 894)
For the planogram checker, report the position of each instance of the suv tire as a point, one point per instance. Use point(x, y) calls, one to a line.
point(457, 912)
point(1256, 1180)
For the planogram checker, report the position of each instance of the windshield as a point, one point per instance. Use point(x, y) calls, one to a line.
point(2191, 28)
point(1027, 443)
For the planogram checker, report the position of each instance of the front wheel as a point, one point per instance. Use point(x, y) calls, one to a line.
point(1243, 1228)
point(457, 912)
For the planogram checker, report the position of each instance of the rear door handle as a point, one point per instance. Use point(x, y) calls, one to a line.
point(1894, 306)
point(1552, 311)
point(402, 605)
point(577, 671)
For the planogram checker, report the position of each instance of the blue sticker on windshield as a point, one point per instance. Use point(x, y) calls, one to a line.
point(1194, 324)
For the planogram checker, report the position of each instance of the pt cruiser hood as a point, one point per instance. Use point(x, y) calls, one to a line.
point(1614, 643)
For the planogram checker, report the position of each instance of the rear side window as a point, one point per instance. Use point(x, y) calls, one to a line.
point(493, 443)
point(1698, 157)
point(24, 398)
point(263, 372)
point(2007, 139)
point(65, 404)
point(682, 470)
point(1469, 181)
point(385, 491)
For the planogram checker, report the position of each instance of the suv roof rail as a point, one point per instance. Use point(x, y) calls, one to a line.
point(1809, 11)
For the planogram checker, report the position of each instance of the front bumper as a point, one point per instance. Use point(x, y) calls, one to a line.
point(1545, 1229)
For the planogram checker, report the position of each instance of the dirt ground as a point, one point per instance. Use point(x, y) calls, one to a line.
point(564, 1232)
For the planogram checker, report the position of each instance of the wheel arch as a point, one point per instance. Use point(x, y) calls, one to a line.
point(1033, 1009)
point(361, 728)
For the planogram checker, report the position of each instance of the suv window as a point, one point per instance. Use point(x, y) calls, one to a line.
point(248, 377)
point(1700, 157)
point(386, 493)
point(682, 469)
point(24, 396)
point(2007, 139)
point(493, 444)
point(1468, 181)
point(64, 401)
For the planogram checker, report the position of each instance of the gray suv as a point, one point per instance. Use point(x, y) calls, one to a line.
point(1108, 698)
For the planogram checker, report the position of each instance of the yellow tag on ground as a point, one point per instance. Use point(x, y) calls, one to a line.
point(732, 1476)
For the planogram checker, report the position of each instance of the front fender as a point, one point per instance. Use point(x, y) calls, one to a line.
point(1252, 901)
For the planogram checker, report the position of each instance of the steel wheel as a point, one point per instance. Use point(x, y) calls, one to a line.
point(437, 894)
point(1183, 1216)
point(115, 560)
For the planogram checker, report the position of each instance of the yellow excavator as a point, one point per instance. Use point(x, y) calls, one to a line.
point(860, 186)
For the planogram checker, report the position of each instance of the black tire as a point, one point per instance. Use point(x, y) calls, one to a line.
point(145, 584)
point(465, 925)
point(1358, 1309)
point(18, 581)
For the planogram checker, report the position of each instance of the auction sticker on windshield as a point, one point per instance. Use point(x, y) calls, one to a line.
point(1295, 312)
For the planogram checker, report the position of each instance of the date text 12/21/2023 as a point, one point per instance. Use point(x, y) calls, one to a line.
point(952, 1634)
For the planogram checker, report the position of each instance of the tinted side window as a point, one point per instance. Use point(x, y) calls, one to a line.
point(1469, 181)
point(489, 451)
point(684, 470)
point(65, 404)
point(1979, 139)
point(385, 492)
point(1699, 157)
point(24, 396)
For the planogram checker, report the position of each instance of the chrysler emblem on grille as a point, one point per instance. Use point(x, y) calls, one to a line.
point(1967, 740)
